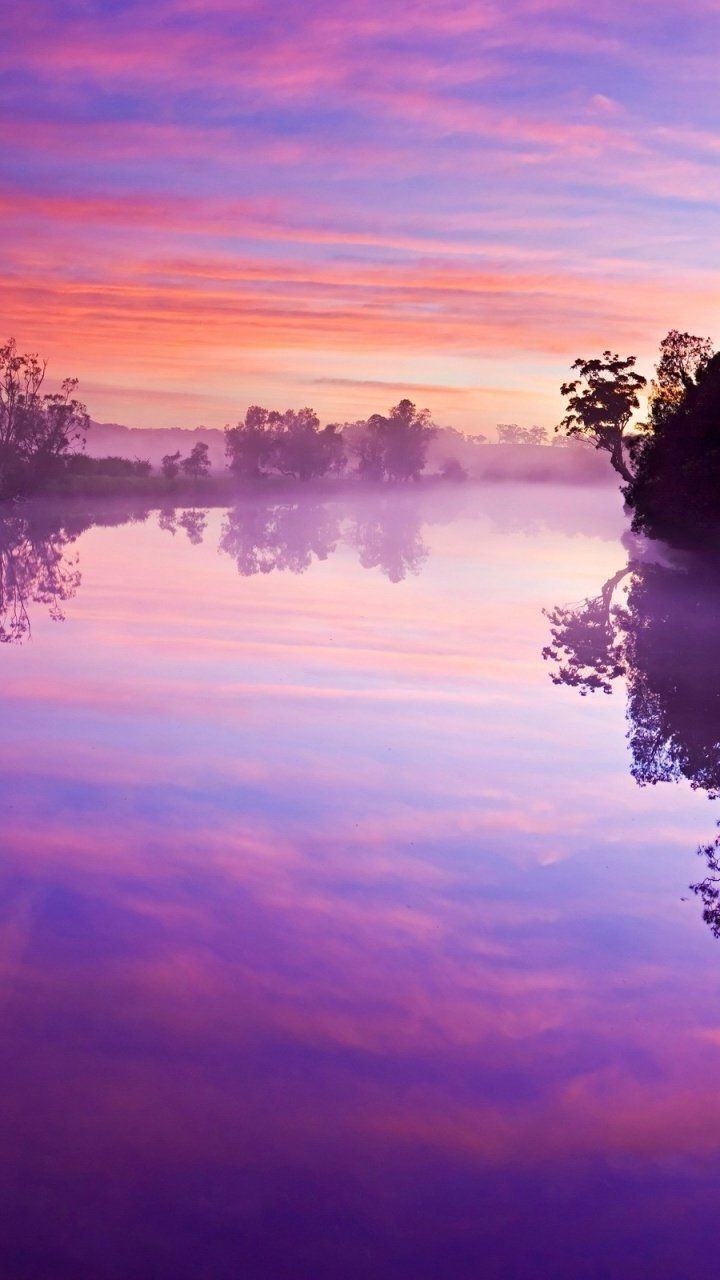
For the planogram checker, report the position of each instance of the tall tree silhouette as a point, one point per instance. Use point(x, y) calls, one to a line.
point(37, 429)
point(601, 401)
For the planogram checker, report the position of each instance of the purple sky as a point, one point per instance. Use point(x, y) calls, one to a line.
point(207, 204)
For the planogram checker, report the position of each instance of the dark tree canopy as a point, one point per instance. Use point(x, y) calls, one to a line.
point(682, 357)
point(670, 464)
point(675, 490)
point(304, 450)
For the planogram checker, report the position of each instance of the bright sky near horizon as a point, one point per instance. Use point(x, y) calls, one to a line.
point(210, 203)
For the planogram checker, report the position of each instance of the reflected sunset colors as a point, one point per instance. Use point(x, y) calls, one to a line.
point(337, 941)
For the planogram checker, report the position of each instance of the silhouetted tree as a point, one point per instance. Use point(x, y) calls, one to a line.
point(197, 464)
point(305, 451)
point(601, 402)
point(37, 429)
point(675, 491)
point(395, 447)
point(368, 448)
point(288, 444)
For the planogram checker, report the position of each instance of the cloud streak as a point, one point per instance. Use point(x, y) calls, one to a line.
point(478, 187)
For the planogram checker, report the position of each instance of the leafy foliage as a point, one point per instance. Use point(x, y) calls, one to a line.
point(600, 403)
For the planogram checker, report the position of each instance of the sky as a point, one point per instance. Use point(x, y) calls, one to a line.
point(212, 203)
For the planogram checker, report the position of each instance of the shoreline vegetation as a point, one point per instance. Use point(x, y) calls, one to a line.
point(50, 446)
point(668, 463)
point(262, 532)
point(500, 463)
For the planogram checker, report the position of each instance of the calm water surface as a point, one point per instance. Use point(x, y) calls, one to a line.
point(337, 941)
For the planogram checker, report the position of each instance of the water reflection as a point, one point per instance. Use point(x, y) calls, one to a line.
point(262, 538)
point(655, 626)
point(36, 568)
point(322, 952)
point(390, 538)
point(193, 522)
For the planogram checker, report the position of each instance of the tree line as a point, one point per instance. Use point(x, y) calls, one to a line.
point(668, 461)
point(42, 435)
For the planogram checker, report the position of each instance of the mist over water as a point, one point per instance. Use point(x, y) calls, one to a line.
point(337, 940)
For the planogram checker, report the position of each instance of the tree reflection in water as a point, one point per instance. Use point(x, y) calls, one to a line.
point(193, 522)
point(262, 538)
point(655, 626)
point(35, 568)
point(389, 537)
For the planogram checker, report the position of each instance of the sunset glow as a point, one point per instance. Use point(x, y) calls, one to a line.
point(210, 204)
